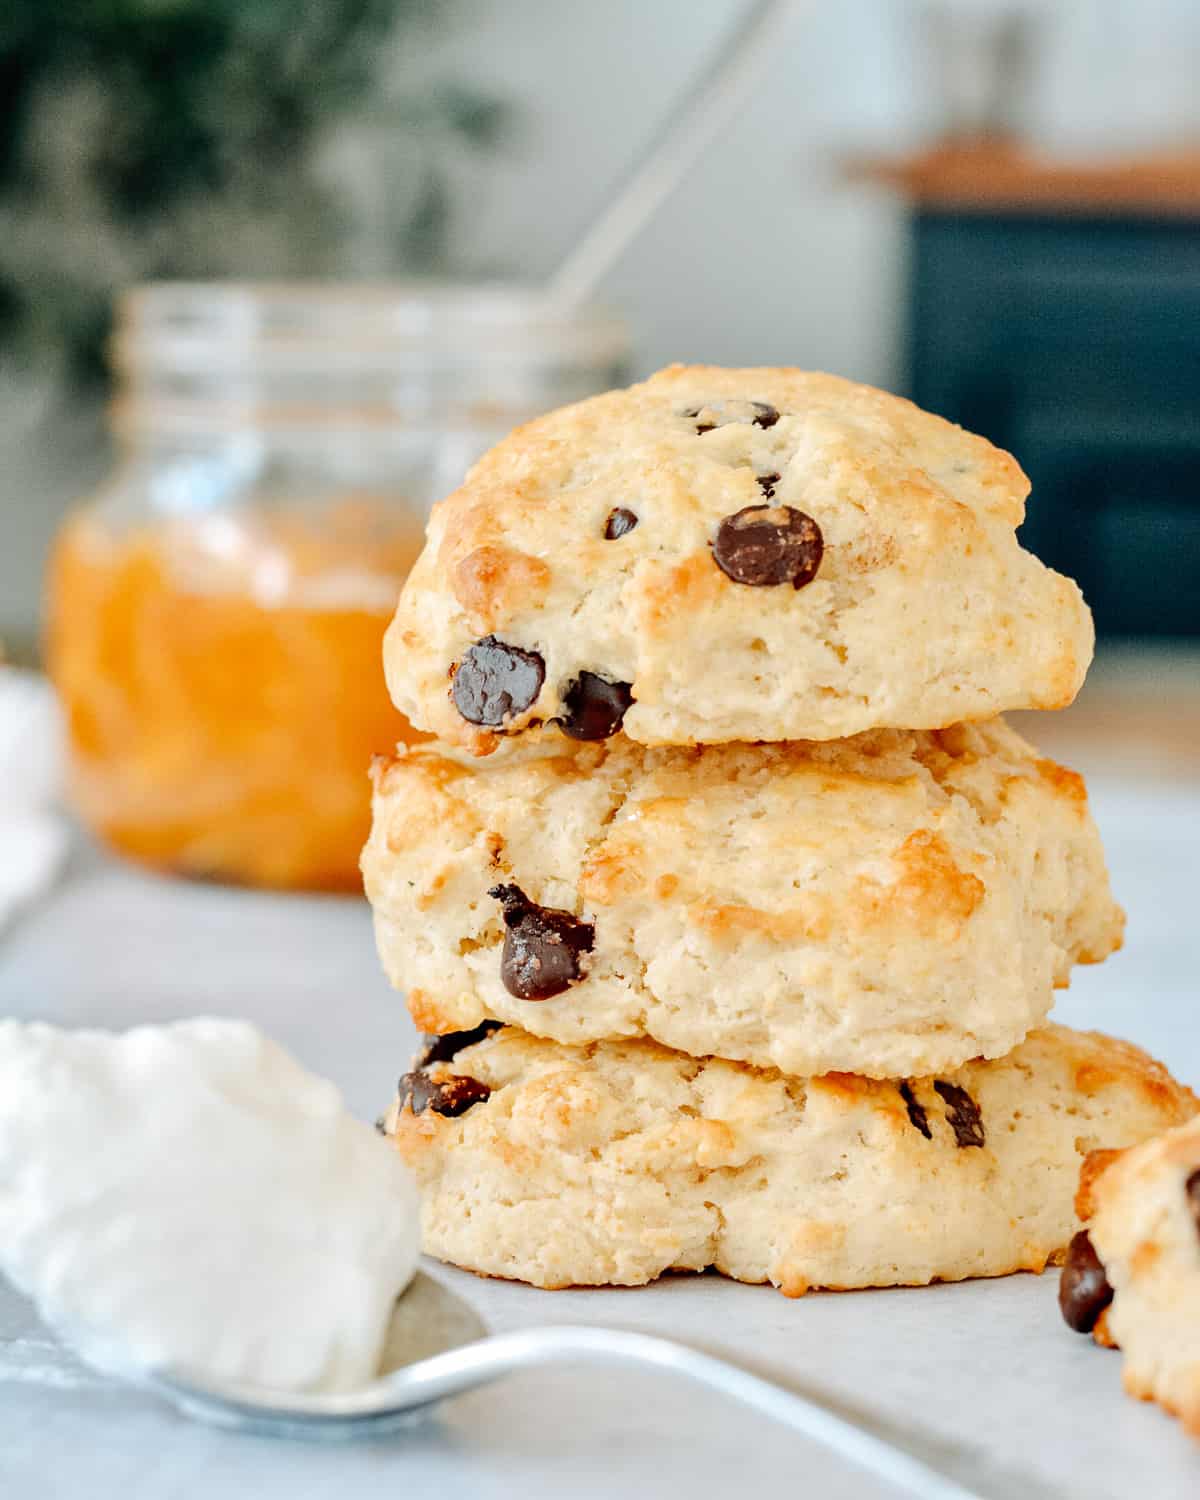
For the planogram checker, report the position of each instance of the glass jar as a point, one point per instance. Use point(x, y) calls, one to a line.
point(215, 613)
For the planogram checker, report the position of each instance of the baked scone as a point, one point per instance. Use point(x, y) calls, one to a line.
point(714, 555)
point(1133, 1276)
point(614, 1162)
point(890, 905)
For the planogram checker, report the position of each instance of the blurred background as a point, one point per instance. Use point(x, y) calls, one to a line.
point(1054, 305)
point(340, 214)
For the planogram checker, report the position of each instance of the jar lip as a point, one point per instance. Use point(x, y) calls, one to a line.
point(221, 325)
point(131, 419)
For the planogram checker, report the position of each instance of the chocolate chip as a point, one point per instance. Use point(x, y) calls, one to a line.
point(541, 946)
point(445, 1048)
point(456, 1095)
point(595, 707)
point(723, 413)
point(495, 681)
point(1192, 1189)
point(619, 522)
point(963, 1114)
point(916, 1111)
point(452, 1097)
point(1083, 1289)
point(764, 545)
point(767, 483)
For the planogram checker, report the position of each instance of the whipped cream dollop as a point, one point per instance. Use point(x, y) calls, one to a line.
point(189, 1195)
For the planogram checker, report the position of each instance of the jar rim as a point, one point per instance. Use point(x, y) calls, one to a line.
point(193, 327)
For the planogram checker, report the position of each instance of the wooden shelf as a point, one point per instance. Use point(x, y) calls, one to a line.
point(997, 176)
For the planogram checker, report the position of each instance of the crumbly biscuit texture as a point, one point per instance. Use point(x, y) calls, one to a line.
point(615, 1162)
point(890, 905)
point(1144, 1210)
point(755, 554)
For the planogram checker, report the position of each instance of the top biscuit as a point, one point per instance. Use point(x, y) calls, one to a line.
point(715, 555)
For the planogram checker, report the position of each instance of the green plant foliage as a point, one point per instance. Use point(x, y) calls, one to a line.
point(151, 138)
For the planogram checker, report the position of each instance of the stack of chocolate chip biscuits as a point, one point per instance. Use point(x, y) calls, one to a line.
point(734, 908)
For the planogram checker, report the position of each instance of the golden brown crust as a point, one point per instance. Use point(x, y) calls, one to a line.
point(896, 903)
point(491, 582)
point(931, 893)
point(923, 611)
point(1102, 1334)
point(426, 1015)
point(1095, 1164)
point(616, 1161)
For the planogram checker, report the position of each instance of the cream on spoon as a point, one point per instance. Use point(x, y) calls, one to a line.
point(190, 1196)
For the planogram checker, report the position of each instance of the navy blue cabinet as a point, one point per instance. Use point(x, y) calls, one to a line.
point(1075, 343)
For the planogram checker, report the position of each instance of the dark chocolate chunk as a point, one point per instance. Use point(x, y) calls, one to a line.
point(963, 1114)
point(765, 414)
point(495, 681)
point(1083, 1289)
point(1192, 1189)
point(456, 1095)
point(619, 522)
point(451, 1097)
point(916, 1110)
point(767, 483)
point(541, 946)
point(445, 1048)
point(693, 412)
point(764, 545)
point(722, 413)
point(595, 707)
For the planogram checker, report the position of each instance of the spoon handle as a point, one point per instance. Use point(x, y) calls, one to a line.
point(476, 1364)
point(705, 107)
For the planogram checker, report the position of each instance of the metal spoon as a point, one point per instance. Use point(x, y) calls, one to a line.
point(707, 104)
point(437, 1347)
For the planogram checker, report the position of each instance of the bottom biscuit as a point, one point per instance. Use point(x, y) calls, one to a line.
point(613, 1162)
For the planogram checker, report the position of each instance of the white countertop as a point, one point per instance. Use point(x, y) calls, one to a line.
point(986, 1365)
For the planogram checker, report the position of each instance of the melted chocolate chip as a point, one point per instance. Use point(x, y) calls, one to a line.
point(1192, 1188)
point(495, 681)
point(765, 545)
point(916, 1111)
point(1083, 1290)
point(767, 483)
point(451, 1097)
point(722, 413)
point(595, 707)
point(619, 522)
point(541, 946)
point(445, 1048)
point(963, 1114)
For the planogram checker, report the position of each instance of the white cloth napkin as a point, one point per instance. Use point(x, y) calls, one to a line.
point(33, 836)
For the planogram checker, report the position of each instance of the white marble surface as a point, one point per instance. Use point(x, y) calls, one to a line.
point(986, 1366)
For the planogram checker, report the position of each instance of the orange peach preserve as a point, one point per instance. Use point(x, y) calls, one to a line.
point(224, 691)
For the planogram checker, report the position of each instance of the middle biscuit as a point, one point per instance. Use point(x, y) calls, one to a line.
point(891, 905)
